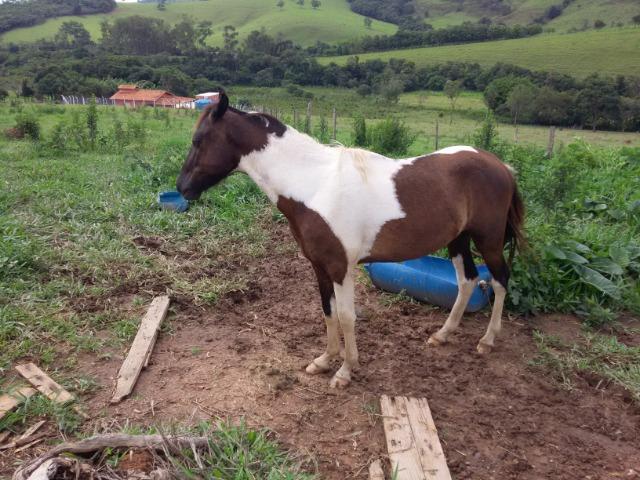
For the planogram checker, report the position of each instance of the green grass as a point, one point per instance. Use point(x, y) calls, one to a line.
point(595, 354)
point(443, 13)
point(420, 110)
point(610, 51)
point(332, 22)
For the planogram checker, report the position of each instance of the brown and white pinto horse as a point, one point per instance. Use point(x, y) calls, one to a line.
point(348, 206)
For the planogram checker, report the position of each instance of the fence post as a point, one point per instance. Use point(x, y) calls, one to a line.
point(335, 121)
point(552, 139)
point(437, 133)
point(307, 123)
point(295, 118)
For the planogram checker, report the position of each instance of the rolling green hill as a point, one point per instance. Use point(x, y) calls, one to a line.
point(332, 22)
point(577, 15)
point(611, 51)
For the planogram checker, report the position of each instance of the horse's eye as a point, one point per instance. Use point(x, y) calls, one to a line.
point(195, 142)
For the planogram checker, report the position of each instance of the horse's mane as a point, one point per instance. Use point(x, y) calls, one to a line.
point(359, 158)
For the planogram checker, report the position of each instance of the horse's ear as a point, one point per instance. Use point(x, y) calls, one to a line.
point(223, 104)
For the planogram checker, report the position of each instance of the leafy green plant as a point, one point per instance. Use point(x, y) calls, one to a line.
point(28, 125)
point(390, 137)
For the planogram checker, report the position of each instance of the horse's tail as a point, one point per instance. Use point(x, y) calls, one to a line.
point(515, 222)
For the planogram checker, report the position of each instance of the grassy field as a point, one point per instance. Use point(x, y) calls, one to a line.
point(332, 22)
point(420, 110)
point(575, 16)
point(611, 51)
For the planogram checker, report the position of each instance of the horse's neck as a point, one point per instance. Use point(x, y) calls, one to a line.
point(291, 166)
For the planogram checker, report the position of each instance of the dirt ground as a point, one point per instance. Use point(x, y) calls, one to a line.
point(498, 417)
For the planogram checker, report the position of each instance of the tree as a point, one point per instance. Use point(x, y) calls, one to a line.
point(162, 5)
point(598, 103)
point(452, 90)
point(368, 22)
point(636, 19)
point(230, 36)
point(552, 107)
point(72, 34)
point(520, 103)
point(25, 89)
point(315, 4)
point(280, 4)
point(300, 2)
point(203, 31)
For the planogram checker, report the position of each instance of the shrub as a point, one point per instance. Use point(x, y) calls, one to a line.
point(92, 122)
point(28, 125)
point(390, 137)
point(359, 134)
point(322, 132)
point(486, 136)
point(599, 24)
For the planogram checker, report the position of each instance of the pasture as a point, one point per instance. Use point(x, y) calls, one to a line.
point(523, 12)
point(84, 248)
point(332, 22)
point(612, 50)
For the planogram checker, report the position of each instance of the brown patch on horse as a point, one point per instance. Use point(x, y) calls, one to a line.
point(219, 142)
point(315, 237)
point(442, 196)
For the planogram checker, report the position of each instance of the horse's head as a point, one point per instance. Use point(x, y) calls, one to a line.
point(223, 135)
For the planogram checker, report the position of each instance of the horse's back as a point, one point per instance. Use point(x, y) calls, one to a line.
point(442, 194)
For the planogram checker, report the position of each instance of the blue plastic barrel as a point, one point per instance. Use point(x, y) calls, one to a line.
point(428, 279)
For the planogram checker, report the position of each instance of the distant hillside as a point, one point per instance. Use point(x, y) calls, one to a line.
point(609, 51)
point(332, 22)
point(577, 15)
point(24, 13)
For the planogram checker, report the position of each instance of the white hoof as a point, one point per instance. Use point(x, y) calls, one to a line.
point(484, 349)
point(434, 341)
point(339, 382)
point(313, 368)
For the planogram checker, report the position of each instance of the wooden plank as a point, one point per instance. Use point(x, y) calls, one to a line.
point(375, 471)
point(10, 401)
point(412, 440)
point(425, 434)
point(400, 444)
point(44, 384)
point(141, 348)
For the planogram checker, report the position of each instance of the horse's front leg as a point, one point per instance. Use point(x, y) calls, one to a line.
point(323, 362)
point(347, 317)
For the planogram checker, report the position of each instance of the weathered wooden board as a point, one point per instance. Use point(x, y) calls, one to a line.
point(9, 402)
point(412, 439)
point(44, 384)
point(141, 348)
point(375, 469)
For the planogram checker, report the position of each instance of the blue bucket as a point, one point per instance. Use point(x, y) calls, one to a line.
point(428, 279)
point(173, 200)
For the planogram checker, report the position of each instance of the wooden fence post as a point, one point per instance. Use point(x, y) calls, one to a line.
point(295, 118)
point(552, 139)
point(335, 122)
point(437, 133)
point(307, 123)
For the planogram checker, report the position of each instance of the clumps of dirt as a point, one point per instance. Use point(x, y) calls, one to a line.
point(136, 460)
point(152, 243)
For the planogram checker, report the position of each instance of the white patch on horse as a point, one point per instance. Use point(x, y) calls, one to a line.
point(455, 149)
point(353, 190)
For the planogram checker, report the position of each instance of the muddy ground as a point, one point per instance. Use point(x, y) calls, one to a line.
point(498, 416)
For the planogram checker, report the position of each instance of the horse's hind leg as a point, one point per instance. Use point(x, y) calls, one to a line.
point(492, 253)
point(467, 277)
point(323, 362)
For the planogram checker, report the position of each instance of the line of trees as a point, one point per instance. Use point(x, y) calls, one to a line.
point(25, 13)
point(180, 61)
point(466, 33)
